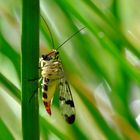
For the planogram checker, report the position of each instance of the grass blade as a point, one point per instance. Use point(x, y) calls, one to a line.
point(10, 86)
point(8, 51)
point(5, 134)
point(30, 53)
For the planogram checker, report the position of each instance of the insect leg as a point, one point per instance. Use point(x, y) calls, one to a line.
point(35, 89)
point(32, 80)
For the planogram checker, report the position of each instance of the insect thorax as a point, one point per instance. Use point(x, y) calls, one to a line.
point(51, 66)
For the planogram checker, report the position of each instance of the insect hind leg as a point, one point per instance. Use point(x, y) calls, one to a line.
point(35, 91)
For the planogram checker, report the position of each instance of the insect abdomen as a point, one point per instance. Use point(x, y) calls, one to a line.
point(46, 102)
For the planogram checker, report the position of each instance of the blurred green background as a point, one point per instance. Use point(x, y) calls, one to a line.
point(102, 65)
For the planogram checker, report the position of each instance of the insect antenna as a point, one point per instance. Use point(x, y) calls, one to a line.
point(48, 30)
point(70, 38)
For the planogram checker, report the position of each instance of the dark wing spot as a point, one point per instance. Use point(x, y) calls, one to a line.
point(61, 98)
point(45, 95)
point(70, 102)
point(70, 119)
point(45, 87)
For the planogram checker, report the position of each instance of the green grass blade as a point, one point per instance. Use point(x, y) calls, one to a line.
point(5, 133)
point(8, 51)
point(30, 57)
point(104, 127)
point(115, 28)
point(115, 10)
point(10, 86)
point(46, 125)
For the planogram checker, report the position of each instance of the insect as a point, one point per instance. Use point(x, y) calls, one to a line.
point(53, 76)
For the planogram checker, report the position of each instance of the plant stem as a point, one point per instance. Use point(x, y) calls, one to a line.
point(30, 54)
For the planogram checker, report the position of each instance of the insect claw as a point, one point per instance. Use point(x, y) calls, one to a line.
point(33, 95)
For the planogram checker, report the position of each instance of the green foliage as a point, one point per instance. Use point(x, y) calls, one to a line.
point(101, 64)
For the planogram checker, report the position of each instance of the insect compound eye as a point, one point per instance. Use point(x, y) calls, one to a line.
point(57, 53)
point(43, 56)
point(46, 57)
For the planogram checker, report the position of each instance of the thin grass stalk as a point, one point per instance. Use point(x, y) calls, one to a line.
point(30, 57)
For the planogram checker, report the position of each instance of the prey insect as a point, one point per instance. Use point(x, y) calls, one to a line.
point(52, 75)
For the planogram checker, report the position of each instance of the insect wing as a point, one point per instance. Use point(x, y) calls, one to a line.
point(66, 102)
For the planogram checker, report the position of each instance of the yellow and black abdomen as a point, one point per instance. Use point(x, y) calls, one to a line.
point(51, 73)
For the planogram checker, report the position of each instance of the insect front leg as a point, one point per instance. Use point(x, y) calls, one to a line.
point(34, 80)
point(35, 91)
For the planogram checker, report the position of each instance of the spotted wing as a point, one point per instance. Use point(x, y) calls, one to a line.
point(66, 101)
